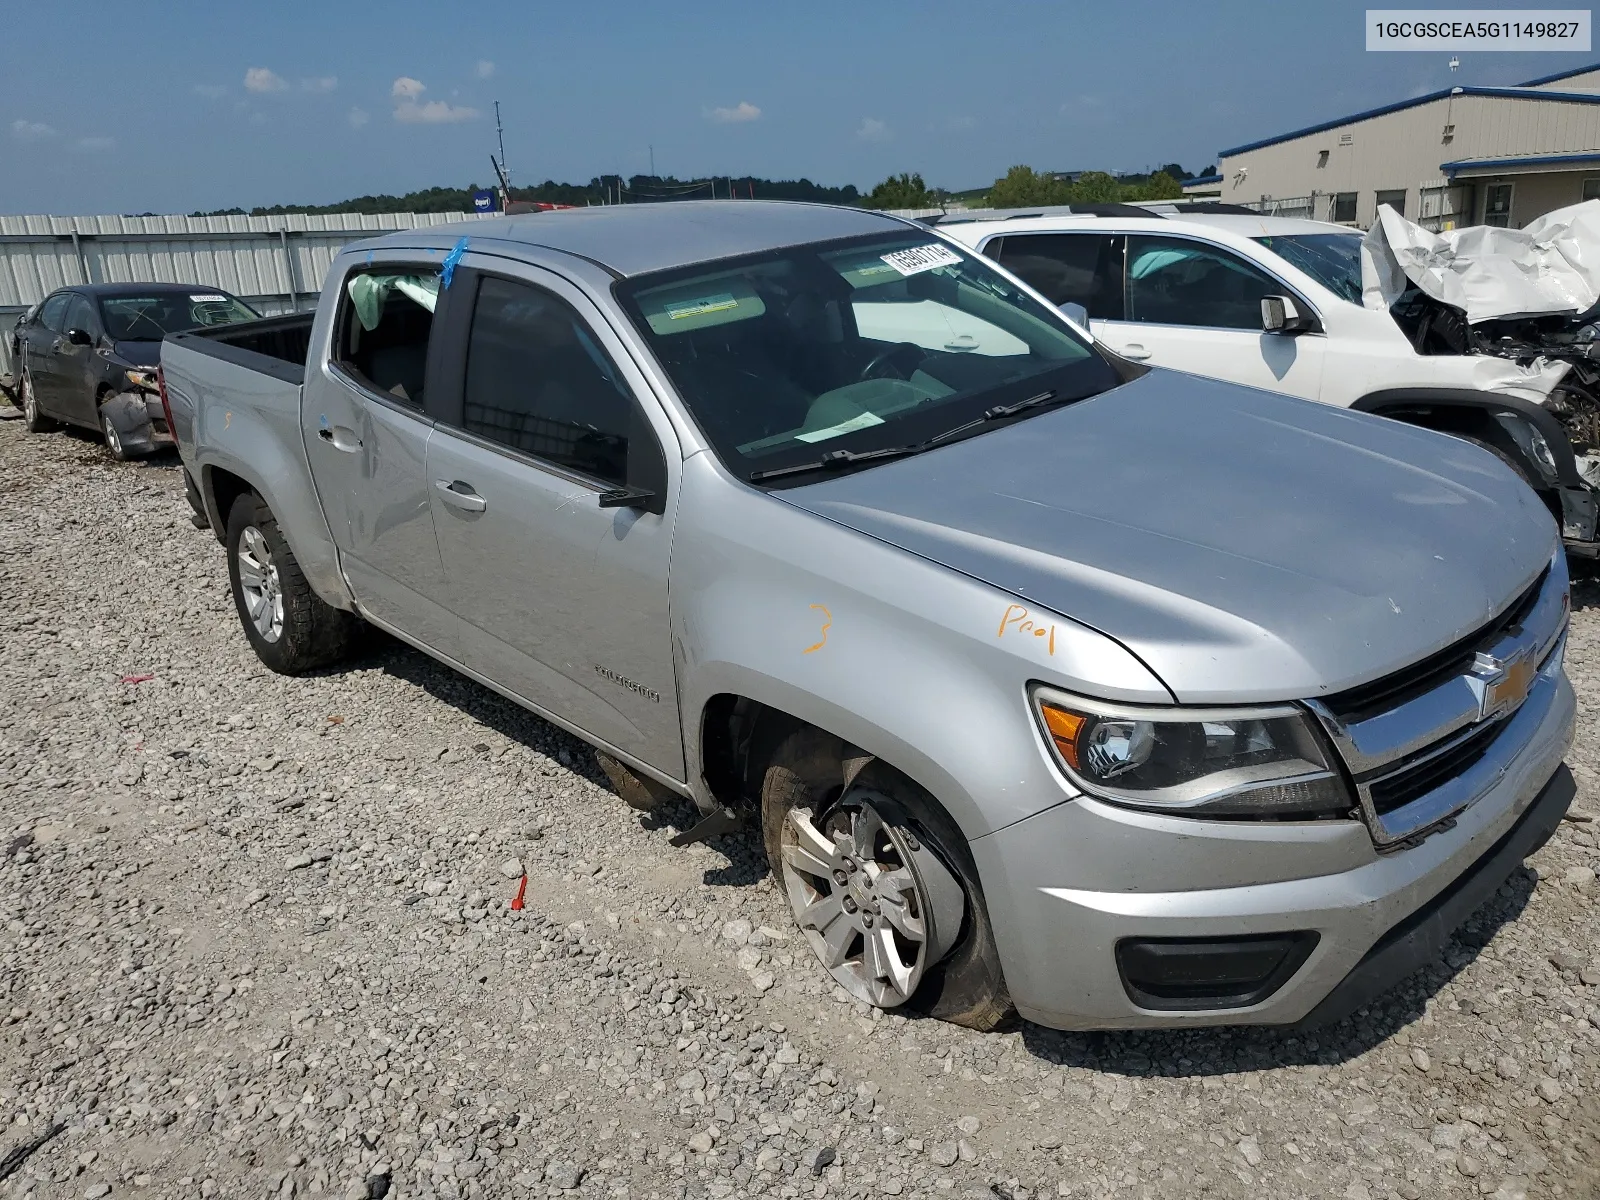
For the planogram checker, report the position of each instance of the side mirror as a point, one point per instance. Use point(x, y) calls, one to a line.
point(79, 337)
point(1076, 313)
point(1280, 314)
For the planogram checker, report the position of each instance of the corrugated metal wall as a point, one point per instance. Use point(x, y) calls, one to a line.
point(275, 263)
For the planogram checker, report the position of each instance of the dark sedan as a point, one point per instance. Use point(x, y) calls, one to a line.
point(88, 356)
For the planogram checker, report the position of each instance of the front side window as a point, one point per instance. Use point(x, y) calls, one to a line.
point(151, 318)
point(1332, 259)
point(1068, 268)
point(80, 315)
point(385, 321)
point(538, 382)
point(865, 343)
point(1174, 281)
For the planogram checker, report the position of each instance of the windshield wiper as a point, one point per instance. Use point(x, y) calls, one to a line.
point(847, 458)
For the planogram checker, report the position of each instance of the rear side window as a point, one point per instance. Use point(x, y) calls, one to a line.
point(52, 315)
point(1175, 281)
point(385, 322)
point(1068, 268)
point(538, 382)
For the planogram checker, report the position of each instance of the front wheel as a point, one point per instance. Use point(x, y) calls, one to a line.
point(882, 885)
point(290, 627)
point(113, 437)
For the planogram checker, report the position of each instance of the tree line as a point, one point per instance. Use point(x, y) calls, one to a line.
point(1021, 186)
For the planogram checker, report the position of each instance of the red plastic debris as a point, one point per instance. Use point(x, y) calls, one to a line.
point(137, 678)
point(522, 886)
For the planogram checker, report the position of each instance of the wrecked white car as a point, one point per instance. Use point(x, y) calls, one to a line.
point(1444, 331)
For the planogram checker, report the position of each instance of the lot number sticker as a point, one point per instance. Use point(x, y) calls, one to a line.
point(922, 258)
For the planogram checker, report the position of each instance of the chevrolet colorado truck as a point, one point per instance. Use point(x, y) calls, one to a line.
point(1115, 696)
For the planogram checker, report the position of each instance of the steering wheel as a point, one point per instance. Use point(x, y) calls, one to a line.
point(887, 358)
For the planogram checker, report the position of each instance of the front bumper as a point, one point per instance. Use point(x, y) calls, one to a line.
point(1065, 886)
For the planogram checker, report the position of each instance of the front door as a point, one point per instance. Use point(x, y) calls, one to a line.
point(1193, 306)
point(366, 430)
point(560, 600)
point(76, 378)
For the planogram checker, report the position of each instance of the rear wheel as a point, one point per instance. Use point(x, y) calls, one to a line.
point(33, 420)
point(882, 884)
point(290, 627)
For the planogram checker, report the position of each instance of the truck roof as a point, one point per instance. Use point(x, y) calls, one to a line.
point(635, 239)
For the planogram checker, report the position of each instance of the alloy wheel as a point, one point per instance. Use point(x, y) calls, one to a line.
point(877, 906)
point(30, 406)
point(113, 439)
point(258, 580)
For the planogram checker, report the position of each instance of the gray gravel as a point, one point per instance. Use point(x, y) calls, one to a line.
point(255, 940)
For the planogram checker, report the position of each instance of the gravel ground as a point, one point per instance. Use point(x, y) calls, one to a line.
point(255, 940)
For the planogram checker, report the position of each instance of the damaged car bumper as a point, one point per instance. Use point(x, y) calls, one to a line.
point(140, 420)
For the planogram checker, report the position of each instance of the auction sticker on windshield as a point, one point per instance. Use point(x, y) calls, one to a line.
point(208, 298)
point(916, 259)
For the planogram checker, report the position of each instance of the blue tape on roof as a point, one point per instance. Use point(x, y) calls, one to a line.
point(448, 271)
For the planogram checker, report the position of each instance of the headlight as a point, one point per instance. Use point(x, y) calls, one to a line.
point(142, 377)
point(1241, 762)
point(1532, 443)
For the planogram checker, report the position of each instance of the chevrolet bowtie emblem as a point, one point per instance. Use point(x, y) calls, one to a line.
point(1501, 684)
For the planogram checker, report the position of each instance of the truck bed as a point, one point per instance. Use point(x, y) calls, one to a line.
point(275, 346)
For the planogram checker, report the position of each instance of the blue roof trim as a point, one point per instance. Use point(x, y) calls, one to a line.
point(1201, 179)
point(1450, 168)
point(1561, 75)
point(1504, 93)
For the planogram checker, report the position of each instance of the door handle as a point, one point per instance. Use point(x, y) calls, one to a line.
point(340, 438)
point(1135, 351)
point(460, 495)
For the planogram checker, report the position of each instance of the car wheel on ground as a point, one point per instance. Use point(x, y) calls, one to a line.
point(290, 627)
point(113, 439)
point(882, 885)
point(33, 420)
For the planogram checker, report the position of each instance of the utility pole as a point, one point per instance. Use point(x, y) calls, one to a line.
point(505, 169)
point(652, 161)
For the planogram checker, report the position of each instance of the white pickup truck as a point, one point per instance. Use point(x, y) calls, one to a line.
point(1184, 289)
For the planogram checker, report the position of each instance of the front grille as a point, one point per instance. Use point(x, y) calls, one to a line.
point(1395, 791)
point(1370, 699)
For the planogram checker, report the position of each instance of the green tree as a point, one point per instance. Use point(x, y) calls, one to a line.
point(1023, 187)
point(1160, 186)
point(1095, 187)
point(901, 191)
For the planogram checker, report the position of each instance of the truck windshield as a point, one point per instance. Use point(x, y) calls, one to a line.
point(1332, 259)
point(151, 318)
point(853, 346)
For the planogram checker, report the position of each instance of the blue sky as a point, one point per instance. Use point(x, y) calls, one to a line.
point(196, 106)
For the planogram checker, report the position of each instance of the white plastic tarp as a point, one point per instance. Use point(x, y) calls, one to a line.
point(1550, 266)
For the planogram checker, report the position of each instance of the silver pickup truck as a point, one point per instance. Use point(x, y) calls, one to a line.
point(1114, 695)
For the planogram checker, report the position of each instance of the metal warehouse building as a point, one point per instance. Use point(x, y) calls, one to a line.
point(1464, 156)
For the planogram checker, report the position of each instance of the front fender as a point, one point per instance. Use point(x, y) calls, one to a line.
point(917, 665)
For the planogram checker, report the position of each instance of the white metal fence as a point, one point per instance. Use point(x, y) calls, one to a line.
point(275, 263)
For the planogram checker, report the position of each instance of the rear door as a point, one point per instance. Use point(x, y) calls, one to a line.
point(42, 343)
point(1068, 268)
point(561, 601)
point(366, 427)
point(1195, 306)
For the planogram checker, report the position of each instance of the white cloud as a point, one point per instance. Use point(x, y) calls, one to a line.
point(743, 111)
point(434, 112)
point(407, 88)
point(260, 79)
point(210, 91)
point(323, 83)
point(93, 144)
point(357, 117)
point(31, 131)
point(484, 69)
point(873, 130)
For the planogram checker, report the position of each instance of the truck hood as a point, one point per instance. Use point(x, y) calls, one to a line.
point(1246, 546)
